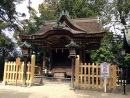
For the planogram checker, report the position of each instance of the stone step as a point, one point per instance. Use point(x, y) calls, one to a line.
point(59, 74)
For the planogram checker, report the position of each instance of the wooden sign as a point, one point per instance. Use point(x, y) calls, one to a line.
point(18, 61)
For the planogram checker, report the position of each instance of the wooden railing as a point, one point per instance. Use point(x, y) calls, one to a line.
point(89, 76)
point(13, 73)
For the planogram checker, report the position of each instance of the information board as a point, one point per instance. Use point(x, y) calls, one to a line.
point(105, 69)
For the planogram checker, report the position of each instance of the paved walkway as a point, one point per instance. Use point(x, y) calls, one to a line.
point(55, 90)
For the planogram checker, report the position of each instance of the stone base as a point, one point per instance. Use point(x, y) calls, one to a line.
point(41, 81)
point(4, 83)
point(114, 91)
point(128, 86)
point(72, 88)
point(77, 87)
point(31, 84)
point(23, 85)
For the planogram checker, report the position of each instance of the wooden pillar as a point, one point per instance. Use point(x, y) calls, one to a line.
point(72, 74)
point(44, 58)
point(80, 56)
point(4, 82)
point(50, 65)
point(84, 56)
point(77, 73)
point(114, 77)
point(32, 70)
point(25, 70)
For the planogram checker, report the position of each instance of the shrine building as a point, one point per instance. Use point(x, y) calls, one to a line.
point(56, 34)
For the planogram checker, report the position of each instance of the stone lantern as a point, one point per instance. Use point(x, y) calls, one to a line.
point(72, 49)
point(26, 47)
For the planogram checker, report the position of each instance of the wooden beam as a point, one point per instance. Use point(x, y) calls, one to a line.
point(44, 58)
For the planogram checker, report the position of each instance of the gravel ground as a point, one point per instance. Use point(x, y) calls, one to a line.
point(56, 90)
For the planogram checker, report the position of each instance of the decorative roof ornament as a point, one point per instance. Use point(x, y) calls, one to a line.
point(64, 12)
point(72, 44)
point(25, 44)
point(98, 19)
point(58, 25)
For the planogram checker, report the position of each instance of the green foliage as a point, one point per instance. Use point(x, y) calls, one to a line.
point(29, 27)
point(127, 60)
point(51, 9)
point(123, 8)
point(8, 14)
point(6, 49)
point(82, 8)
point(48, 10)
point(2, 25)
point(6, 46)
point(109, 51)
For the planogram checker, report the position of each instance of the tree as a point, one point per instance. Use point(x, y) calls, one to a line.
point(51, 9)
point(118, 13)
point(109, 51)
point(48, 10)
point(7, 49)
point(82, 8)
point(8, 14)
point(30, 26)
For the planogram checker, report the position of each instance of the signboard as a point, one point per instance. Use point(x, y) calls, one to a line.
point(18, 61)
point(105, 70)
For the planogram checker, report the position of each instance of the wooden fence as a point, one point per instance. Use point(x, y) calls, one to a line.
point(89, 76)
point(13, 73)
point(119, 72)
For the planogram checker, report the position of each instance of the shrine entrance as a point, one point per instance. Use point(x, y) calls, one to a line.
point(60, 59)
point(60, 64)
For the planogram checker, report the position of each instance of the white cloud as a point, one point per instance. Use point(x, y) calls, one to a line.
point(22, 8)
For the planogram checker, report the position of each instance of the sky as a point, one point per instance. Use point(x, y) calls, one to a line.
point(22, 8)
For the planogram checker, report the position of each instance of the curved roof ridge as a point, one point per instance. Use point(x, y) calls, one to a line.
point(65, 17)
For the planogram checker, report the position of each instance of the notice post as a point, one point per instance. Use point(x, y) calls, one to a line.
point(105, 73)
